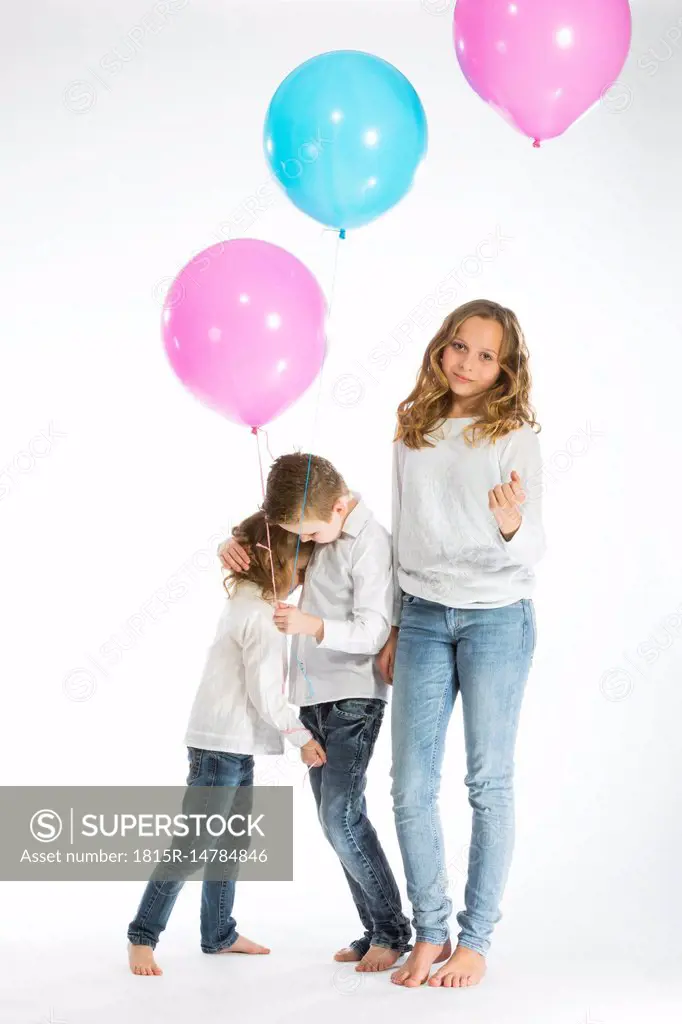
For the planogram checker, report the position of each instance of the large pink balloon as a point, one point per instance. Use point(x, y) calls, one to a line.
point(243, 327)
point(541, 63)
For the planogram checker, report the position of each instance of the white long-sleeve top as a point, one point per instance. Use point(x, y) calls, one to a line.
point(447, 546)
point(240, 706)
point(349, 585)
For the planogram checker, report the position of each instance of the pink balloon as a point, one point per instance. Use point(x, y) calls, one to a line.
point(244, 329)
point(541, 63)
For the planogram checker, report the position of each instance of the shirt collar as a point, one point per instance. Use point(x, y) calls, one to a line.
point(357, 518)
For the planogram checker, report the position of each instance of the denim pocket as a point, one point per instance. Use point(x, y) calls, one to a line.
point(529, 629)
point(531, 609)
point(359, 707)
point(194, 755)
point(409, 598)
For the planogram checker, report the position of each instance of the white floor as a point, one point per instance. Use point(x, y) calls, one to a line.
point(63, 962)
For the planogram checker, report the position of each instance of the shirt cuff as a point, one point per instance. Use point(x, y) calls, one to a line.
point(522, 548)
point(299, 737)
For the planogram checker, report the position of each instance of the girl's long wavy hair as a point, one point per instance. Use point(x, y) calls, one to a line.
point(504, 407)
point(252, 534)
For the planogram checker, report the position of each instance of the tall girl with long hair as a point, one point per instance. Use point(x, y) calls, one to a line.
point(467, 533)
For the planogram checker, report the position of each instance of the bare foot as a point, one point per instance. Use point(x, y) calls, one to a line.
point(378, 958)
point(141, 960)
point(465, 967)
point(244, 945)
point(347, 955)
point(415, 970)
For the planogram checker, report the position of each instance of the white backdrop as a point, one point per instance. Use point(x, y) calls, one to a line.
point(133, 142)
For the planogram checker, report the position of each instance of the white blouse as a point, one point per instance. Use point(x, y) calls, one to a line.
point(447, 546)
point(241, 706)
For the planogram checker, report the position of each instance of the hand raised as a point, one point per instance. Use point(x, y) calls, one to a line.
point(504, 502)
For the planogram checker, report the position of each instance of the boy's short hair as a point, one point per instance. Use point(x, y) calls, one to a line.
point(286, 487)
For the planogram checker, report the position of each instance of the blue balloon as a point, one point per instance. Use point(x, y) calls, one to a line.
point(344, 135)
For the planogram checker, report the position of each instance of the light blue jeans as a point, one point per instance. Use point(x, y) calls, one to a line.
point(485, 655)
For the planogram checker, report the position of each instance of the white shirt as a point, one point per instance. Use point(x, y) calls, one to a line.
point(349, 585)
point(240, 706)
point(447, 546)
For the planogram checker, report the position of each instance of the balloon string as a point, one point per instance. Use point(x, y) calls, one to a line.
point(254, 431)
point(330, 305)
point(267, 443)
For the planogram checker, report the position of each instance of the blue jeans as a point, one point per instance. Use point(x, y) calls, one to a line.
point(218, 927)
point(484, 654)
point(347, 729)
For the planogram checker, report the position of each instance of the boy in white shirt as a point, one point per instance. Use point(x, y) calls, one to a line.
point(342, 623)
point(240, 709)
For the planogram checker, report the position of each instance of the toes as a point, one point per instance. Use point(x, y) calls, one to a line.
point(346, 955)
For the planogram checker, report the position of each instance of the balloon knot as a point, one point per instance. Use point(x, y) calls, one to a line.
point(254, 430)
point(536, 143)
point(342, 233)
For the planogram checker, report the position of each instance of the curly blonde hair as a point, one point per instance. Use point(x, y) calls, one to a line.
point(504, 407)
point(252, 534)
